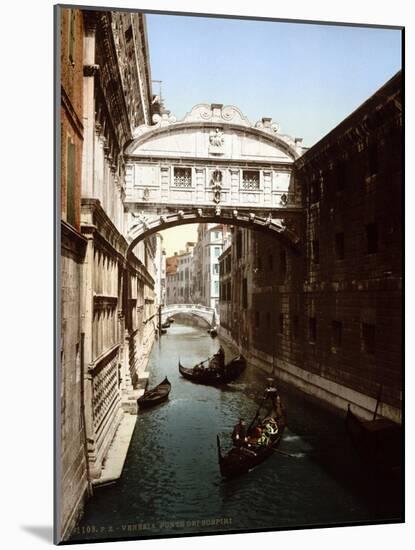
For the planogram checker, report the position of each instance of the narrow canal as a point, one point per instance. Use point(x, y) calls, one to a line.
point(171, 483)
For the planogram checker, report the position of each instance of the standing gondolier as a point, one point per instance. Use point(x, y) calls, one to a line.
point(239, 433)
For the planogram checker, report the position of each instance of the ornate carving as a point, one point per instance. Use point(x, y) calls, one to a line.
point(228, 113)
point(283, 199)
point(205, 113)
point(91, 70)
point(217, 186)
point(216, 141)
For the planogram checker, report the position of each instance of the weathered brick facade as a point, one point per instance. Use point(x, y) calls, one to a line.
point(71, 61)
point(329, 319)
point(107, 297)
point(73, 464)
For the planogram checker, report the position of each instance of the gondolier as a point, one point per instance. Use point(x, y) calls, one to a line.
point(239, 433)
point(216, 373)
point(263, 439)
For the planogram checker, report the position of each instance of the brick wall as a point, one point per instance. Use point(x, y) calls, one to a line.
point(334, 310)
point(71, 111)
point(73, 458)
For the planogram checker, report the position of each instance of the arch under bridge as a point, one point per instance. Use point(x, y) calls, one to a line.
point(206, 313)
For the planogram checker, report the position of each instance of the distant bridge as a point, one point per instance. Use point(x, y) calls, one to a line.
point(208, 314)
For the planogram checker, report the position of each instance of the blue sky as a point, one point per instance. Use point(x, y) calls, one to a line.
point(307, 77)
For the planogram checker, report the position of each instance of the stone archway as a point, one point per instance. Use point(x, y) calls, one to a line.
point(279, 228)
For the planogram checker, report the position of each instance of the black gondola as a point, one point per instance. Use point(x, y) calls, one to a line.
point(378, 441)
point(213, 332)
point(155, 396)
point(214, 374)
point(257, 447)
point(166, 324)
point(162, 330)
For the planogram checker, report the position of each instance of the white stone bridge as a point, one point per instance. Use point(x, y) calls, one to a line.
point(212, 166)
point(196, 310)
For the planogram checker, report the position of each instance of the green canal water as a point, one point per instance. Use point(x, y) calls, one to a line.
point(171, 484)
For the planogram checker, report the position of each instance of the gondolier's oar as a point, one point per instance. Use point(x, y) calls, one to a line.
point(208, 359)
point(219, 449)
point(285, 453)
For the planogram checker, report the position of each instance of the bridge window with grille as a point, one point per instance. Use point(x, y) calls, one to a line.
point(182, 177)
point(250, 179)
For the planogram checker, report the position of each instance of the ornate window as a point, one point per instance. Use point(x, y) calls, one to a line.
point(250, 179)
point(71, 36)
point(182, 177)
point(70, 181)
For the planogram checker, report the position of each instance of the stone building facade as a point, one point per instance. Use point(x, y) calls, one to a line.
point(73, 452)
point(179, 280)
point(108, 303)
point(328, 319)
point(209, 246)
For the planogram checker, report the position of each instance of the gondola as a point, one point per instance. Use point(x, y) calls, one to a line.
point(213, 332)
point(378, 441)
point(166, 324)
point(162, 330)
point(155, 396)
point(214, 375)
point(256, 447)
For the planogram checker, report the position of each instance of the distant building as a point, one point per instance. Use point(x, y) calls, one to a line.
point(160, 271)
point(179, 276)
point(209, 246)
